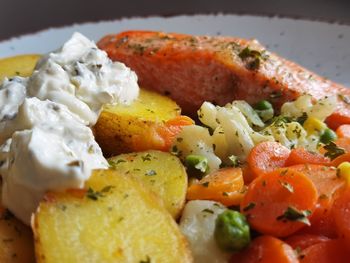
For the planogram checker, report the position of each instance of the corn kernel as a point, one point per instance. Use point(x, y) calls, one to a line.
point(343, 171)
point(313, 125)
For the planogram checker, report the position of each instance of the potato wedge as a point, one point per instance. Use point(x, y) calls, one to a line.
point(116, 220)
point(22, 65)
point(16, 239)
point(120, 127)
point(161, 172)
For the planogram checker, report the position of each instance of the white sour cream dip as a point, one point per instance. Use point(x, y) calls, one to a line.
point(44, 122)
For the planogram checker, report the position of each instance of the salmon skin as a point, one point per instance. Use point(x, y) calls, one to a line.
point(194, 69)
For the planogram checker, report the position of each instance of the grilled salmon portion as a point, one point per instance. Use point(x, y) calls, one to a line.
point(194, 69)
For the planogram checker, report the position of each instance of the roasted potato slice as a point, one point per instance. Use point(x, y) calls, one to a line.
point(120, 128)
point(22, 65)
point(115, 219)
point(161, 172)
point(16, 239)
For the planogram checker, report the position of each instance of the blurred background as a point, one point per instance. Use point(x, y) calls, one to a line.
point(26, 16)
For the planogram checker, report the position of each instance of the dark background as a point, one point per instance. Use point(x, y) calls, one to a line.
point(26, 16)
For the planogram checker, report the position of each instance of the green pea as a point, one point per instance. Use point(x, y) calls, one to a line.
point(232, 231)
point(198, 162)
point(264, 109)
point(327, 136)
point(263, 105)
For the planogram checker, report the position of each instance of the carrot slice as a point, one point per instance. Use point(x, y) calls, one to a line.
point(160, 136)
point(271, 197)
point(337, 119)
point(171, 129)
point(343, 143)
point(331, 251)
point(266, 249)
point(302, 156)
point(341, 213)
point(225, 186)
point(340, 159)
point(343, 131)
point(303, 241)
point(326, 182)
point(266, 157)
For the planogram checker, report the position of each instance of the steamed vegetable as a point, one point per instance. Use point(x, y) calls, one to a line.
point(232, 231)
point(280, 202)
point(139, 126)
point(160, 172)
point(113, 219)
point(198, 225)
point(22, 65)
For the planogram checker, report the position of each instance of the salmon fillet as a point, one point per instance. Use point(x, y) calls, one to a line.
point(194, 69)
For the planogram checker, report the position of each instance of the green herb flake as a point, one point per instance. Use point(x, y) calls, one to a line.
point(294, 214)
point(284, 172)
point(148, 260)
point(95, 195)
point(301, 119)
point(250, 206)
point(252, 58)
point(333, 151)
point(234, 161)
point(206, 184)
point(344, 98)
point(146, 157)
point(208, 211)
point(120, 161)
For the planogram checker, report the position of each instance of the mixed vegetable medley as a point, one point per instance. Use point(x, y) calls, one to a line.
point(236, 183)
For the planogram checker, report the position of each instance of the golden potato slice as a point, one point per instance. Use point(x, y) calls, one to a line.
point(161, 172)
point(116, 220)
point(16, 239)
point(120, 128)
point(22, 65)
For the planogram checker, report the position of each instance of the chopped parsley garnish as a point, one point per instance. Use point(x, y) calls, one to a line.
point(148, 260)
point(206, 184)
point(252, 58)
point(250, 206)
point(198, 162)
point(344, 98)
point(95, 195)
point(294, 214)
point(234, 160)
point(333, 151)
point(208, 211)
point(112, 162)
point(301, 119)
point(146, 157)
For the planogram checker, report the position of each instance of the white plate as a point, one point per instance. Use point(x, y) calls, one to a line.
point(319, 46)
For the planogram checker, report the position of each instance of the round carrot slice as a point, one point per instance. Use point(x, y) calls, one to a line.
point(341, 213)
point(266, 249)
point(266, 157)
point(343, 131)
point(302, 156)
point(225, 186)
point(280, 203)
point(331, 251)
point(340, 159)
point(327, 184)
point(303, 241)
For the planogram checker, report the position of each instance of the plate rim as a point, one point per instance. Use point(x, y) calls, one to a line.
point(253, 14)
